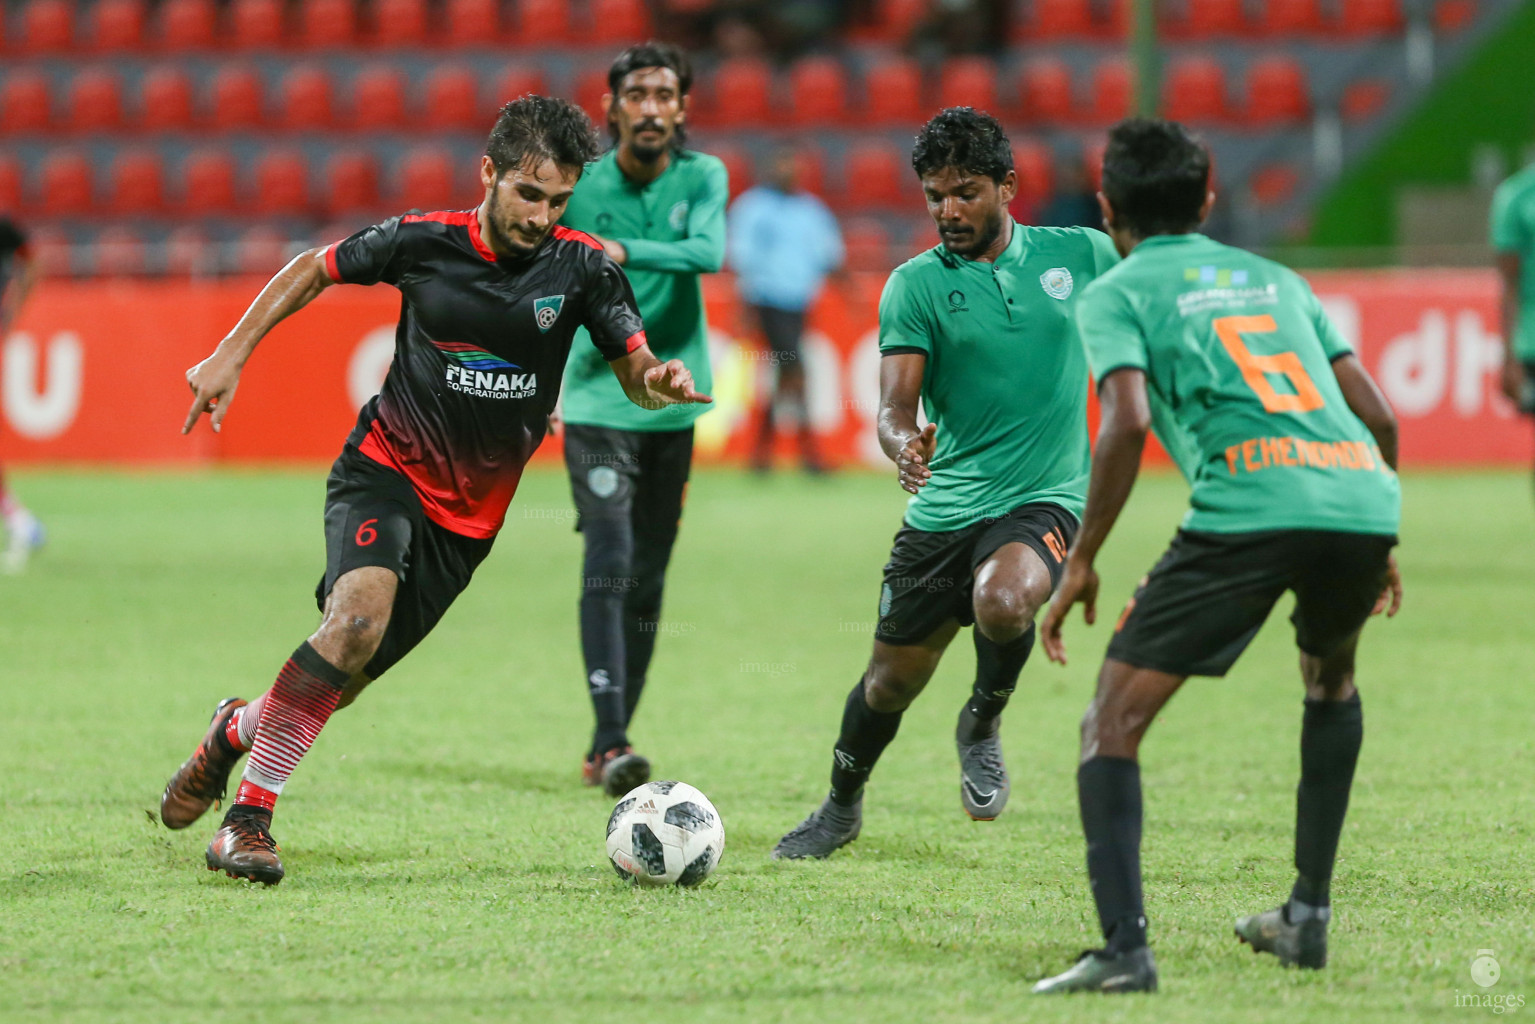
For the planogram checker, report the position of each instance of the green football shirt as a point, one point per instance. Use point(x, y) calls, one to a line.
point(1513, 230)
point(1238, 360)
point(1006, 381)
point(674, 230)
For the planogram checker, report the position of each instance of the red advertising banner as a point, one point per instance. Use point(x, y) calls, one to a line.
point(94, 372)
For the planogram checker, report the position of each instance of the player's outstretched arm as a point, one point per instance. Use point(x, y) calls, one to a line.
point(214, 380)
point(908, 446)
point(650, 383)
point(1116, 463)
point(1364, 397)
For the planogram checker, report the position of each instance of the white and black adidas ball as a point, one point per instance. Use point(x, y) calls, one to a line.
point(665, 833)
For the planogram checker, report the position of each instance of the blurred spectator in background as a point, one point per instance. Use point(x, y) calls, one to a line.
point(18, 273)
point(1513, 237)
point(1074, 204)
point(950, 27)
point(782, 242)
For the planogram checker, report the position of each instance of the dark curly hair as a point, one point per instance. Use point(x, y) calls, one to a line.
point(1156, 176)
point(652, 55)
point(965, 139)
point(541, 128)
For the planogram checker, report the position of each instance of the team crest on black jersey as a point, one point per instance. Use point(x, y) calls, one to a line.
point(547, 310)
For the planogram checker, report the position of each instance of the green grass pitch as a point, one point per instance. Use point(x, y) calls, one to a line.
point(444, 863)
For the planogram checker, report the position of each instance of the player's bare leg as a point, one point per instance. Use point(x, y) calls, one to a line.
point(1109, 792)
point(1331, 734)
point(308, 690)
point(1010, 588)
point(895, 676)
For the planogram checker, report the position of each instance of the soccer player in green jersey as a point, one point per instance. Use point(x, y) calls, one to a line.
point(981, 330)
point(659, 211)
point(1513, 236)
point(1290, 450)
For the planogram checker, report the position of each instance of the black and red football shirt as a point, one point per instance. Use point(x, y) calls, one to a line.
point(479, 353)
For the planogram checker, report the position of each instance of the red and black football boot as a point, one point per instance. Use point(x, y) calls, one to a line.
point(200, 783)
point(243, 846)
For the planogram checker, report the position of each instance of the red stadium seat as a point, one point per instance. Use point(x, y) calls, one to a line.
point(1116, 24)
point(327, 24)
point(543, 23)
point(1195, 91)
point(818, 92)
point(48, 26)
point(25, 102)
point(473, 23)
point(453, 101)
point(95, 101)
point(378, 100)
point(165, 98)
point(120, 253)
point(256, 24)
point(67, 185)
point(868, 245)
point(896, 20)
point(738, 167)
point(282, 184)
point(1291, 17)
point(968, 82)
point(1035, 164)
point(893, 93)
point(1453, 15)
point(237, 100)
point(1207, 19)
point(11, 185)
point(399, 23)
point(1273, 184)
point(1060, 19)
point(188, 252)
point(117, 26)
point(514, 82)
point(427, 177)
point(1044, 89)
point(187, 24)
point(591, 87)
point(1371, 17)
point(618, 22)
point(138, 184)
point(1092, 161)
point(1277, 92)
point(871, 175)
point(351, 183)
point(208, 178)
point(1364, 99)
point(307, 100)
point(262, 251)
point(742, 93)
point(52, 248)
point(1113, 91)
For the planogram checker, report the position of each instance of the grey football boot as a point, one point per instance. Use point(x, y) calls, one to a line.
point(1296, 945)
point(1100, 971)
point(829, 828)
point(983, 783)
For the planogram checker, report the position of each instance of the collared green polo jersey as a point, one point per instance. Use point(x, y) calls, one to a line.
point(1006, 380)
point(1513, 230)
point(1238, 360)
point(674, 230)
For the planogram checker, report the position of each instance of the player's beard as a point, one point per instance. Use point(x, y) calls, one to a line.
point(968, 245)
point(504, 240)
point(645, 152)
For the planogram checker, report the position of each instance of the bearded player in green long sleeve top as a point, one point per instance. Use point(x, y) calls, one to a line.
point(659, 211)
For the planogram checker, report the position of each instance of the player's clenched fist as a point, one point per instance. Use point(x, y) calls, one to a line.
point(213, 382)
point(914, 458)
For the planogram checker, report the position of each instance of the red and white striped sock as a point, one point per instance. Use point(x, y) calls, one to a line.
point(292, 714)
point(240, 730)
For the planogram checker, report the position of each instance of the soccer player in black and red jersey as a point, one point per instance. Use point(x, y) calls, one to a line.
point(492, 299)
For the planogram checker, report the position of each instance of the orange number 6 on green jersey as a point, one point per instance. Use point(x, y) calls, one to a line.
point(1255, 367)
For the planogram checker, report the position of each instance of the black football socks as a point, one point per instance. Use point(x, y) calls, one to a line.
point(1109, 791)
point(1331, 734)
point(639, 647)
point(996, 675)
point(604, 584)
point(865, 735)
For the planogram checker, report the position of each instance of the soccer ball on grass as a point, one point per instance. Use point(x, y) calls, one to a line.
point(665, 833)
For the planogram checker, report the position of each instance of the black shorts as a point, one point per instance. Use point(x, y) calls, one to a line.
point(630, 474)
point(930, 577)
point(1206, 599)
point(1527, 399)
point(782, 328)
point(373, 518)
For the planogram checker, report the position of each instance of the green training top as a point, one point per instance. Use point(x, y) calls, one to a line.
point(1238, 359)
point(1006, 382)
point(1513, 230)
point(674, 230)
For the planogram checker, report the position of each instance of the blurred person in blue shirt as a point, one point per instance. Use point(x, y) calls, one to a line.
point(782, 242)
